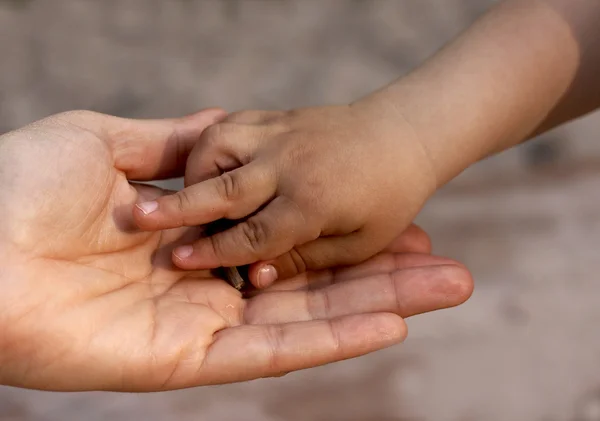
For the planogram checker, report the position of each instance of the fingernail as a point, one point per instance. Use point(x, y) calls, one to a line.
point(183, 252)
point(266, 276)
point(147, 207)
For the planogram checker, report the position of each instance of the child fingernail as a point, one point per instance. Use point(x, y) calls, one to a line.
point(183, 252)
point(266, 276)
point(147, 207)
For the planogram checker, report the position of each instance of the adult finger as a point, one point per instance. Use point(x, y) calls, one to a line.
point(381, 263)
point(413, 240)
point(405, 292)
point(249, 352)
point(155, 149)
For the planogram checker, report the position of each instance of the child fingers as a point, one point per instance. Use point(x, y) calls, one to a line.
point(232, 195)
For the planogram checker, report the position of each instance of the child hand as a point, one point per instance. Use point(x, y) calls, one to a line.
point(315, 188)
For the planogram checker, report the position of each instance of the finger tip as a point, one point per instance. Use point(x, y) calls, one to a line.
point(395, 327)
point(413, 239)
point(464, 284)
point(183, 265)
point(263, 275)
point(145, 215)
point(182, 254)
point(147, 208)
point(425, 244)
point(189, 257)
point(454, 287)
point(283, 268)
point(140, 219)
point(419, 239)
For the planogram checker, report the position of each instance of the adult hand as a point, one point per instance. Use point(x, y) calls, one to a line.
point(90, 303)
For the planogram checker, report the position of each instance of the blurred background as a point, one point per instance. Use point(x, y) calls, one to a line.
point(525, 347)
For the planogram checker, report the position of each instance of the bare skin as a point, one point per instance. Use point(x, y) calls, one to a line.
point(331, 186)
point(89, 302)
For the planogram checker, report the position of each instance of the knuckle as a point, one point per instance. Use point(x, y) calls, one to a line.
point(221, 131)
point(183, 201)
point(279, 122)
point(274, 337)
point(244, 116)
point(228, 187)
point(307, 224)
point(255, 233)
point(300, 263)
point(336, 341)
point(313, 230)
point(319, 304)
point(219, 248)
point(76, 114)
point(73, 117)
point(212, 134)
point(399, 304)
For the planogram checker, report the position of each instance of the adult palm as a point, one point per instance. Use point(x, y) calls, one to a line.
point(90, 303)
